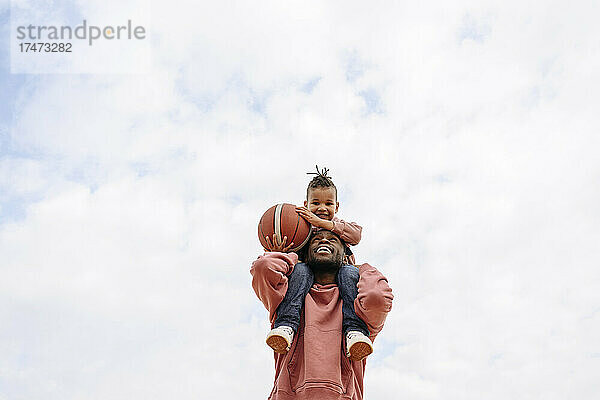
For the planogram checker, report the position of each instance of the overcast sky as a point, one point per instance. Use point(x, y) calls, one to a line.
point(463, 136)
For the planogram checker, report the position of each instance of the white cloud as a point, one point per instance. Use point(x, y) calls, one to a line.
point(475, 183)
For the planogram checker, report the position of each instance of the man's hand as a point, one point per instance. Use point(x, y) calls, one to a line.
point(313, 219)
point(276, 246)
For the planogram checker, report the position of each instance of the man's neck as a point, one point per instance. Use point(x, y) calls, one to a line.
point(325, 278)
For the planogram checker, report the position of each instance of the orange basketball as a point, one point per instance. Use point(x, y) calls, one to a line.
point(283, 220)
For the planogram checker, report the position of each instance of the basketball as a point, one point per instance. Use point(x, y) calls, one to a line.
point(283, 220)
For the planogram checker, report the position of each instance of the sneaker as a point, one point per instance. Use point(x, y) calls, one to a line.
point(280, 339)
point(358, 346)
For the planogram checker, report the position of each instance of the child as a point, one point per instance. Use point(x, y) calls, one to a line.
point(319, 210)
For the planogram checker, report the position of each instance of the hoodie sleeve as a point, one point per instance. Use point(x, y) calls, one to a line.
point(269, 278)
point(349, 232)
point(374, 299)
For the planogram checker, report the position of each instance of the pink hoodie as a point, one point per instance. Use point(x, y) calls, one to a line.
point(350, 233)
point(316, 366)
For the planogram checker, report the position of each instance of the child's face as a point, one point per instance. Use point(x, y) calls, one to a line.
point(322, 202)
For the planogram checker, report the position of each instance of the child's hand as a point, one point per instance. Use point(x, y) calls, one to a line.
point(276, 246)
point(313, 219)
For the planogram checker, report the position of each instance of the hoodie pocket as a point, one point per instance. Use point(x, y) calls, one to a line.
point(319, 362)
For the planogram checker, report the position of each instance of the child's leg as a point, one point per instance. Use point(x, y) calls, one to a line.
point(347, 281)
point(299, 283)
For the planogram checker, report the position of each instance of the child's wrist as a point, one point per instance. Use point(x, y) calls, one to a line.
point(327, 224)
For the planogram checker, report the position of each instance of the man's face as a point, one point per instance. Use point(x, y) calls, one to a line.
point(325, 251)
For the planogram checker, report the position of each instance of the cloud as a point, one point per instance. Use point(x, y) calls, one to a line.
point(471, 165)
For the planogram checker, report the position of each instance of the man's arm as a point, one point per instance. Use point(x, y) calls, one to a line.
point(349, 232)
point(269, 278)
point(374, 299)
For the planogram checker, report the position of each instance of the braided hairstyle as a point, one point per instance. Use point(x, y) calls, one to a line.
point(321, 180)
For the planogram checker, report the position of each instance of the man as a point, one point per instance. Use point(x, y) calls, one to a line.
point(316, 366)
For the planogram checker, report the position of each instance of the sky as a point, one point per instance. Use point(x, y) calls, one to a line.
point(462, 136)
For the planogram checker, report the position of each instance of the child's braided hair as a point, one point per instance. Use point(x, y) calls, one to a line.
point(320, 180)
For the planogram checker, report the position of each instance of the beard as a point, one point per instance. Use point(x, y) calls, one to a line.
point(332, 264)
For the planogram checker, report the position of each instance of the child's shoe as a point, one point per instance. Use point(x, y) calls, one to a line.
point(358, 346)
point(280, 339)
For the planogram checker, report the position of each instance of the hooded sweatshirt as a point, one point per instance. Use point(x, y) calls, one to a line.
point(350, 233)
point(316, 366)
